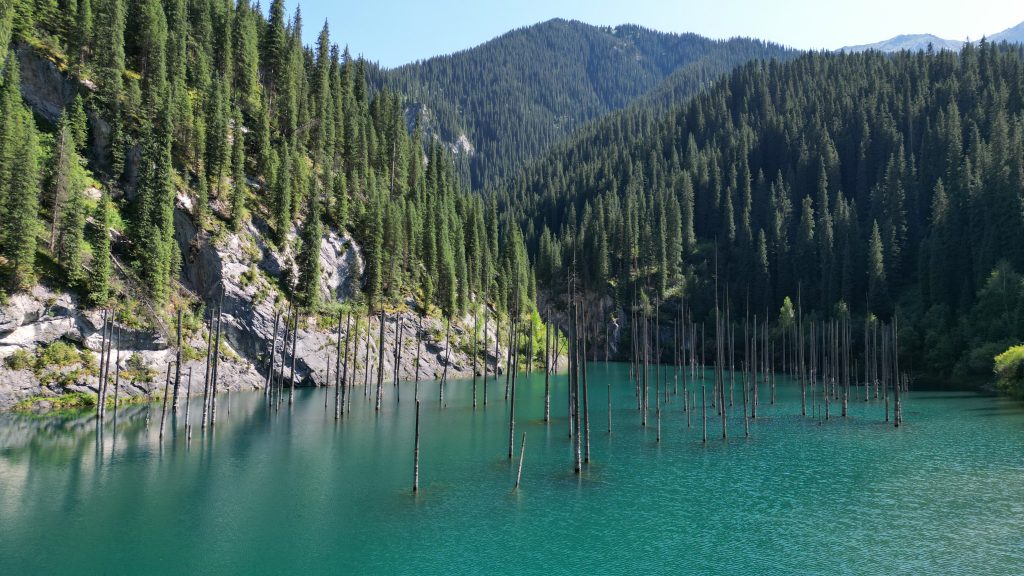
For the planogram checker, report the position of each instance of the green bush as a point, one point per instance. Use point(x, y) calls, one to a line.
point(20, 360)
point(1009, 369)
point(137, 371)
point(58, 355)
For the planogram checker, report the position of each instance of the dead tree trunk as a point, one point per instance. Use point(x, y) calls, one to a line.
point(216, 362)
point(416, 453)
point(206, 376)
point(447, 357)
point(163, 411)
point(177, 364)
point(522, 451)
point(99, 378)
point(295, 342)
point(117, 370)
point(547, 372)
point(380, 362)
point(338, 376)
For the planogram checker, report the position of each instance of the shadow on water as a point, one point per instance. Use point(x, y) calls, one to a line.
point(1008, 409)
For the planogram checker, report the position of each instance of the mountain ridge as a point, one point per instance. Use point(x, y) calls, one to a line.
point(553, 77)
point(914, 42)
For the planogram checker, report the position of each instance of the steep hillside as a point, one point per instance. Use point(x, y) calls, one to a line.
point(506, 101)
point(868, 183)
point(166, 158)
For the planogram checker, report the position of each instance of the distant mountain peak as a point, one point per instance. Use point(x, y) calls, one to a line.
point(1013, 35)
point(914, 42)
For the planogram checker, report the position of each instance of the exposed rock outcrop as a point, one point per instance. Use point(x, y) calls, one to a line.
point(43, 86)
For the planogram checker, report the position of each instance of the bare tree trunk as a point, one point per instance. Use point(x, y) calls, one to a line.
point(338, 376)
point(416, 453)
point(177, 366)
point(586, 393)
point(206, 377)
point(99, 378)
point(273, 357)
point(117, 370)
point(216, 361)
point(547, 372)
point(295, 343)
point(163, 411)
point(475, 351)
point(343, 383)
point(188, 404)
point(416, 389)
point(522, 451)
point(380, 362)
point(447, 357)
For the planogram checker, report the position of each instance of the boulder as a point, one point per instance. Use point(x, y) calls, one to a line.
point(20, 309)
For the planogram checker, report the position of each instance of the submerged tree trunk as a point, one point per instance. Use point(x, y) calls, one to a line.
point(177, 364)
point(416, 453)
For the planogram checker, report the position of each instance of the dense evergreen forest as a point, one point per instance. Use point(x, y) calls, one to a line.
point(207, 103)
point(645, 166)
point(875, 184)
point(515, 96)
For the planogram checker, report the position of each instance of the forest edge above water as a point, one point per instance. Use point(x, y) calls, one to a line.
point(266, 177)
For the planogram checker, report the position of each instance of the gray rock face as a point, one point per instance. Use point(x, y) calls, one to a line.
point(341, 265)
point(249, 312)
point(241, 272)
point(21, 309)
point(100, 136)
point(43, 86)
point(16, 386)
point(42, 317)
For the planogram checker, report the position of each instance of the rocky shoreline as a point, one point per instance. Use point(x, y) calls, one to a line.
point(38, 319)
point(239, 271)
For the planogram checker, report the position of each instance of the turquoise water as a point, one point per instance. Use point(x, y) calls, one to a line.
point(294, 492)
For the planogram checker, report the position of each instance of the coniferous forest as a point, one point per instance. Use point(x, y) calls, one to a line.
point(867, 183)
point(515, 96)
point(210, 103)
point(644, 167)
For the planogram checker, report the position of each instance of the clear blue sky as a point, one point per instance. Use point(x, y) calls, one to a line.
point(395, 32)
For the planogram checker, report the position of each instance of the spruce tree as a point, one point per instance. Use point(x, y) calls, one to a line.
point(247, 59)
point(69, 238)
point(6, 26)
point(81, 36)
point(282, 195)
point(239, 187)
point(108, 42)
point(308, 291)
point(21, 205)
point(78, 122)
point(878, 291)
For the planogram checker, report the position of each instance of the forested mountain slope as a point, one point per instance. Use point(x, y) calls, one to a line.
point(869, 182)
point(208, 107)
point(509, 99)
point(192, 156)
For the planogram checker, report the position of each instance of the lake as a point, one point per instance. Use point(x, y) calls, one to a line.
point(293, 491)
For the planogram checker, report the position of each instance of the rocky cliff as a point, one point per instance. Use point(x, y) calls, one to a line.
point(241, 272)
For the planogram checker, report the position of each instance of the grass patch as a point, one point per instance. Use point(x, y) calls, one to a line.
point(20, 360)
point(66, 403)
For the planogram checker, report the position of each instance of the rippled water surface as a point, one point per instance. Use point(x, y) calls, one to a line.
point(295, 492)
